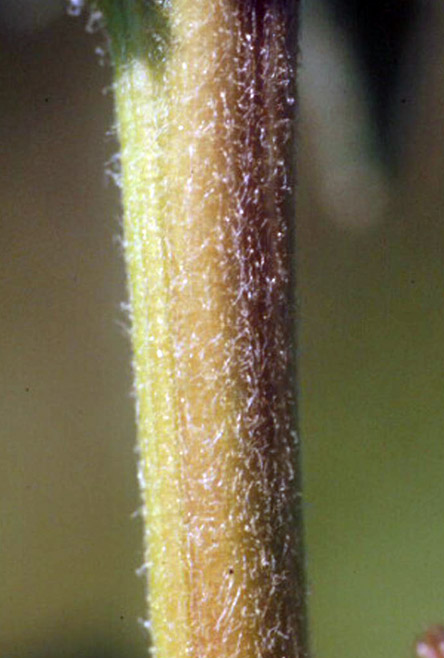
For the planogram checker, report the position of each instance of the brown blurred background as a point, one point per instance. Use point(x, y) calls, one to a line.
point(371, 291)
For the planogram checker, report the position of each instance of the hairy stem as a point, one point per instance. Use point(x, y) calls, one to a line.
point(205, 113)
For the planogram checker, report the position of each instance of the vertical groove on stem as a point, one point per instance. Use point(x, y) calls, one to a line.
point(205, 110)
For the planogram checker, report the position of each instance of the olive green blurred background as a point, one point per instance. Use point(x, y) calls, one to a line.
point(371, 346)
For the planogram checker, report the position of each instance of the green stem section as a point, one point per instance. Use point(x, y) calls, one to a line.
point(205, 103)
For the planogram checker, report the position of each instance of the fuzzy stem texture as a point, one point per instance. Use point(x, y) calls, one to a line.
point(205, 106)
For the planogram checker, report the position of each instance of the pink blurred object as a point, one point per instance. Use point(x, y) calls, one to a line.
point(431, 645)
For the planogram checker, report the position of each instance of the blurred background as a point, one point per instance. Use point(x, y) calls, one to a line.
point(371, 341)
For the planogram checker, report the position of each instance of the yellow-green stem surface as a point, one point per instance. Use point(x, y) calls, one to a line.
point(204, 106)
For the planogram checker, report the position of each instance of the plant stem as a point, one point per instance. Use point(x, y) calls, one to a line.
point(205, 114)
